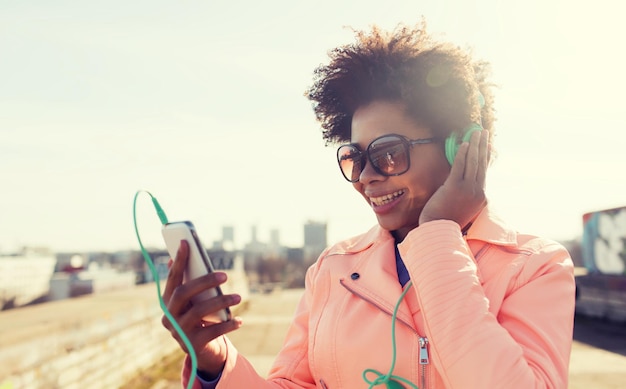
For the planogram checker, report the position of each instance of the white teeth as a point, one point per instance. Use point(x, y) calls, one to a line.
point(378, 201)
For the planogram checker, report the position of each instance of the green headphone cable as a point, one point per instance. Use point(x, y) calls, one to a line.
point(155, 275)
point(389, 379)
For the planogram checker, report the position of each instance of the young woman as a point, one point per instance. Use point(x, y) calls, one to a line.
point(471, 302)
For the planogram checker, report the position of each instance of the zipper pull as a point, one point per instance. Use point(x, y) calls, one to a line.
point(423, 342)
point(323, 384)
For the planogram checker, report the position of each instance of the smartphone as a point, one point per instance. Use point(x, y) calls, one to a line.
point(199, 262)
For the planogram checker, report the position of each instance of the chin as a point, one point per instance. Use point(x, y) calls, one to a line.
point(388, 224)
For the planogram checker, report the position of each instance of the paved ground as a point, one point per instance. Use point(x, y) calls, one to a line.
point(598, 357)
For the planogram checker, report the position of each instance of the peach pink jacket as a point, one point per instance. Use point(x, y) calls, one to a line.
point(495, 307)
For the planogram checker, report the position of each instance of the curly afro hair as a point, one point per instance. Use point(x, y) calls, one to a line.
point(439, 83)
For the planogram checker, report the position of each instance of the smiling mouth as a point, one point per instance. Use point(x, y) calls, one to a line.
point(382, 200)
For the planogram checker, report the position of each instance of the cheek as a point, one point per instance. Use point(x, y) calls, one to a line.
point(441, 173)
point(426, 181)
point(359, 188)
point(439, 176)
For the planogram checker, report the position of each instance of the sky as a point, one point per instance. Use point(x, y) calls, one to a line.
point(202, 104)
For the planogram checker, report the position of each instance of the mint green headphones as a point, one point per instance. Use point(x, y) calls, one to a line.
point(452, 142)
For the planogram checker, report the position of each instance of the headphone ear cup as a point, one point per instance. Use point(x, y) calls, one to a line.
point(452, 144)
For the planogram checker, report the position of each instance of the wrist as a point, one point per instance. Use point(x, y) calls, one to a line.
point(208, 376)
point(211, 365)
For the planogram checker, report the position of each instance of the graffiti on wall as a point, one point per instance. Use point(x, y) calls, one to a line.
point(604, 241)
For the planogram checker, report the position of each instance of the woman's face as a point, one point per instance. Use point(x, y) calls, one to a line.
point(398, 201)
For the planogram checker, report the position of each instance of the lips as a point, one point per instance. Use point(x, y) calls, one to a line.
point(386, 199)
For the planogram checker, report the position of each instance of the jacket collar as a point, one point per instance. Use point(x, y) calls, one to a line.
point(361, 242)
point(383, 291)
point(487, 227)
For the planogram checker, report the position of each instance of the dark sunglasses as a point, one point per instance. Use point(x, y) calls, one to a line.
point(388, 154)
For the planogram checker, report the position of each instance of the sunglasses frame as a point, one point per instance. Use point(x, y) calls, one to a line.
point(366, 156)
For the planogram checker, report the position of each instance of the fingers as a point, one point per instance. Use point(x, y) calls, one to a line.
point(471, 160)
point(201, 337)
point(176, 271)
point(457, 172)
point(199, 314)
point(472, 157)
point(483, 158)
point(215, 330)
point(180, 300)
point(203, 341)
point(200, 332)
point(214, 310)
point(195, 299)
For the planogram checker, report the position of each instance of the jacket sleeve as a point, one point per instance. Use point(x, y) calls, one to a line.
point(526, 344)
point(291, 367)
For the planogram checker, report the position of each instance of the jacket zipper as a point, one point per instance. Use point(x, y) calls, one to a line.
point(323, 384)
point(423, 341)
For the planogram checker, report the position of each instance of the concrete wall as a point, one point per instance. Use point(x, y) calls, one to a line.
point(95, 341)
point(66, 285)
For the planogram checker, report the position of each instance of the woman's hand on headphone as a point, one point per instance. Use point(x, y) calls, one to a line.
point(462, 195)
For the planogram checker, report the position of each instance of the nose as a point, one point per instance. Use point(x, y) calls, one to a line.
point(369, 174)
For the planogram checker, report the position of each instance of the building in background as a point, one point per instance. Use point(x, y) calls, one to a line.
point(25, 276)
point(314, 240)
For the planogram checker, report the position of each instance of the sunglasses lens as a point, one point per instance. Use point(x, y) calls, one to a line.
point(349, 158)
point(389, 155)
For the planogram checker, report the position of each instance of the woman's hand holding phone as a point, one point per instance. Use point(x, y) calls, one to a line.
point(205, 336)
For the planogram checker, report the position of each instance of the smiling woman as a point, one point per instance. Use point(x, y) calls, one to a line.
point(415, 119)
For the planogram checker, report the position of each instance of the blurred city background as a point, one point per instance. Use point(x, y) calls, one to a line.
point(35, 274)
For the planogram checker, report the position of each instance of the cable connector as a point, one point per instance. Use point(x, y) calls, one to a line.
point(159, 210)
